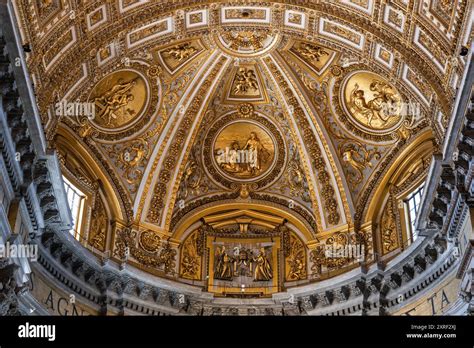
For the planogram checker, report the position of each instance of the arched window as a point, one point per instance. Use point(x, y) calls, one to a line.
point(75, 199)
point(412, 206)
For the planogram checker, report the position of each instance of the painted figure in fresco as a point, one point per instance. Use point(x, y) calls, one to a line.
point(262, 268)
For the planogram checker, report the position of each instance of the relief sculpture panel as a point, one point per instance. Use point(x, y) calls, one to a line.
point(119, 99)
point(372, 102)
point(244, 150)
point(247, 267)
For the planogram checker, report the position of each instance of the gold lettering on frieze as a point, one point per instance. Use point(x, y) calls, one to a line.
point(54, 299)
point(436, 301)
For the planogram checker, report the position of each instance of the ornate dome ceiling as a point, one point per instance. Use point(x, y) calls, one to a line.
point(271, 128)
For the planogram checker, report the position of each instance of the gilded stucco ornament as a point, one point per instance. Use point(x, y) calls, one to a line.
point(149, 241)
point(99, 222)
point(191, 256)
point(341, 249)
point(295, 261)
point(388, 227)
point(175, 56)
point(362, 112)
point(242, 43)
point(245, 85)
point(147, 248)
point(357, 159)
point(315, 57)
point(371, 108)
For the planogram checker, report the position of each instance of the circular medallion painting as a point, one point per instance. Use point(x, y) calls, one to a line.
point(372, 103)
point(244, 150)
point(119, 99)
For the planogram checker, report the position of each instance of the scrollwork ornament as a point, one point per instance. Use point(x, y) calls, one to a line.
point(388, 228)
point(358, 158)
point(150, 241)
point(296, 260)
